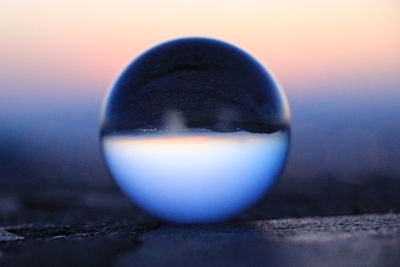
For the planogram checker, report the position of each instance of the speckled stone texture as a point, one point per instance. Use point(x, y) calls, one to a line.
point(313, 223)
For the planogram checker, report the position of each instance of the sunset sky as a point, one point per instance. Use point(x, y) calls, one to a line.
point(338, 62)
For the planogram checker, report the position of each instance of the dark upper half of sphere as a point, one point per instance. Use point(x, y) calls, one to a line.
point(210, 84)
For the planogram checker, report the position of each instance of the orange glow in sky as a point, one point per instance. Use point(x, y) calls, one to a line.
point(337, 61)
point(87, 43)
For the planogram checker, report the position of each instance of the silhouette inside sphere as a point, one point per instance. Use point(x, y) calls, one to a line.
point(195, 130)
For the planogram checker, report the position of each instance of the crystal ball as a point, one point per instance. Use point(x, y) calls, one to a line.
point(195, 130)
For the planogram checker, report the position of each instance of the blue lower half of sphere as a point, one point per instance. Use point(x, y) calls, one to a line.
point(196, 177)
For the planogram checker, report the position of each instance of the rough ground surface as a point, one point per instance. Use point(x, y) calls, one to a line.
point(315, 224)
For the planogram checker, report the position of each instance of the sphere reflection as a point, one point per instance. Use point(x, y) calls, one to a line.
point(195, 130)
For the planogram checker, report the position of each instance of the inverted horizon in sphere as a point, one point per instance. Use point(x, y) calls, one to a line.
point(196, 178)
point(211, 84)
point(195, 130)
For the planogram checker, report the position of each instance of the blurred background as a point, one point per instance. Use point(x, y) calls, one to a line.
point(337, 61)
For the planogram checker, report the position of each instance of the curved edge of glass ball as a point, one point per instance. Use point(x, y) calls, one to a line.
point(195, 85)
point(235, 91)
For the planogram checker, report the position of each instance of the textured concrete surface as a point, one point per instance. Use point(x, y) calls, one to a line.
point(371, 240)
point(364, 240)
point(318, 224)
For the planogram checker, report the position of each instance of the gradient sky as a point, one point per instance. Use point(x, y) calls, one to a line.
point(338, 61)
point(303, 42)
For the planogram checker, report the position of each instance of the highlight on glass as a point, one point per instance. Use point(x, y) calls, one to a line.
point(195, 130)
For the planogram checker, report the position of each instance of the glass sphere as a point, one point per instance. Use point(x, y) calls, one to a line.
point(195, 130)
